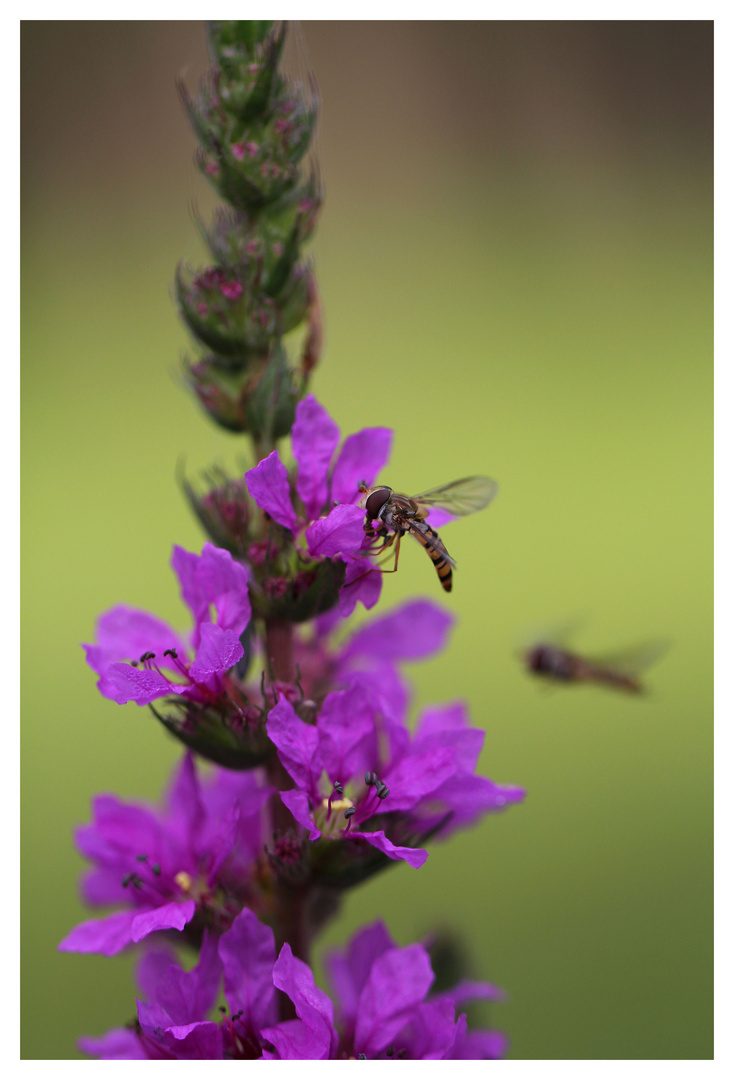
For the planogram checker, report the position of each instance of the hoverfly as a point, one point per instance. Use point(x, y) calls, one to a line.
point(401, 514)
point(620, 672)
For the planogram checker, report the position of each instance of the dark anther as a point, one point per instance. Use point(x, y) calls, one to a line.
point(156, 868)
point(379, 786)
point(361, 1057)
point(370, 779)
point(402, 1053)
point(141, 858)
point(350, 812)
point(126, 880)
point(222, 1008)
point(390, 1052)
point(147, 656)
point(172, 653)
point(338, 788)
point(136, 881)
point(383, 793)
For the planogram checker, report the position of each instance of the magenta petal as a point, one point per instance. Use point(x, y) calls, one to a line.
point(184, 802)
point(349, 970)
point(360, 460)
point(414, 857)
point(125, 633)
point(172, 916)
point(447, 725)
point(314, 439)
point(470, 990)
point(362, 584)
point(216, 579)
point(481, 1045)
point(419, 775)
point(247, 950)
point(399, 980)
point(201, 1041)
point(152, 966)
point(438, 518)
point(410, 632)
point(269, 487)
point(347, 734)
point(140, 685)
point(296, 743)
point(107, 936)
point(186, 996)
point(120, 1044)
point(295, 1041)
point(468, 797)
point(297, 803)
point(433, 1030)
point(313, 1006)
point(218, 651)
point(341, 532)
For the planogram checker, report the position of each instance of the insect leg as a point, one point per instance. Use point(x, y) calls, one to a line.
point(395, 537)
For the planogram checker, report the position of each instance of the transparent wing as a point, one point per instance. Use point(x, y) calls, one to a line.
point(635, 659)
point(462, 496)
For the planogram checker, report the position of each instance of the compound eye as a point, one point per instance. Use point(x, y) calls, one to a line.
point(376, 501)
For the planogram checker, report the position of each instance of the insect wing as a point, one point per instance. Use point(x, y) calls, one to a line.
point(460, 497)
point(634, 660)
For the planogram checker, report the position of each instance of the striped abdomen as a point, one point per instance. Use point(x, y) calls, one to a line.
point(437, 553)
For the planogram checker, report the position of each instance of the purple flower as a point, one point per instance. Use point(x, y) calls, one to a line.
point(158, 660)
point(412, 631)
point(191, 860)
point(360, 778)
point(328, 482)
point(384, 1008)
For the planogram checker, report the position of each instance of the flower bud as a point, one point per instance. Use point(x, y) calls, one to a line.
point(224, 510)
point(229, 736)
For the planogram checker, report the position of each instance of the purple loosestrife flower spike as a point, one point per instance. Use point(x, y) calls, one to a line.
point(322, 777)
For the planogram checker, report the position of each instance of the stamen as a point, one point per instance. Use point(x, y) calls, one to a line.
point(338, 790)
point(141, 858)
point(147, 656)
point(390, 1052)
point(172, 653)
point(383, 793)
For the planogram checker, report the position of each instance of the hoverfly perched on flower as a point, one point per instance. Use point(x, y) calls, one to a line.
point(401, 514)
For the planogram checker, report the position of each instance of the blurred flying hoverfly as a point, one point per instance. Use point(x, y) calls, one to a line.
point(401, 514)
point(620, 672)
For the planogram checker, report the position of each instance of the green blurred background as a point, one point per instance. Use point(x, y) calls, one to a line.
point(515, 259)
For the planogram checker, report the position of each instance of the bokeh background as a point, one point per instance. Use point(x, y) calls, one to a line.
point(515, 258)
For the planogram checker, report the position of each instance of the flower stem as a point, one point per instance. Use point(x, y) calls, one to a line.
point(279, 650)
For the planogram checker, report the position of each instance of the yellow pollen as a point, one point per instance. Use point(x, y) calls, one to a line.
point(337, 805)
point(183, 880)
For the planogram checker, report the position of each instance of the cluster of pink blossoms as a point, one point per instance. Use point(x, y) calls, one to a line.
point(320, 781)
